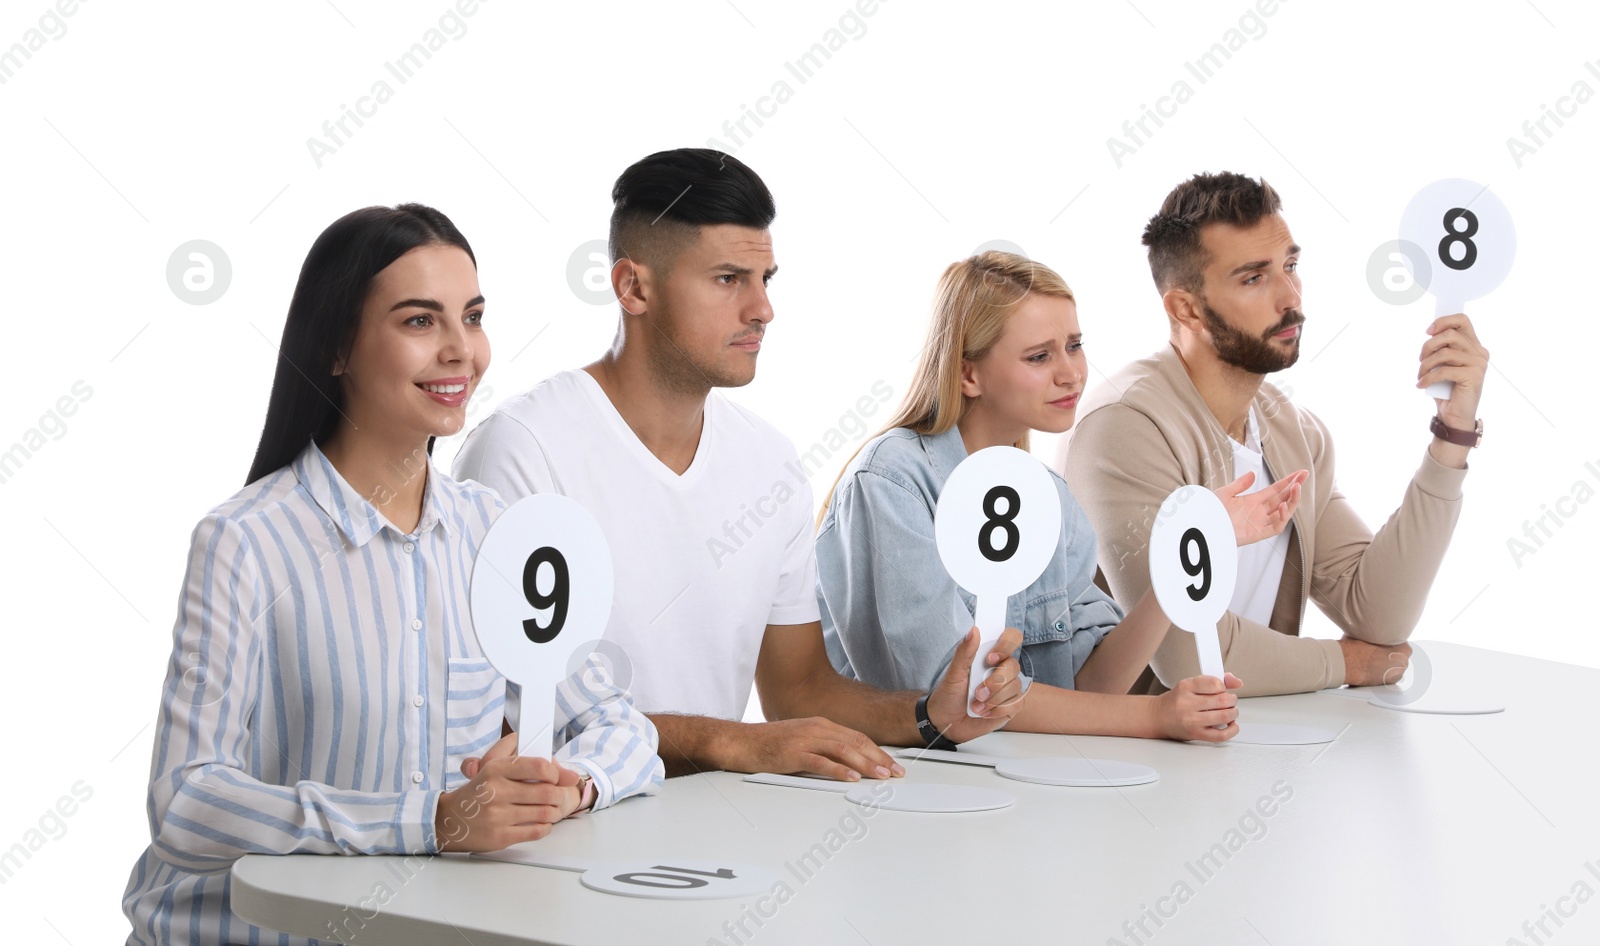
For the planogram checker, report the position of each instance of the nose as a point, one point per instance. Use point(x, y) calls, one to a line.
point(760, 308)
point(1074, 369)
point(1291, 294)
point(454, 343)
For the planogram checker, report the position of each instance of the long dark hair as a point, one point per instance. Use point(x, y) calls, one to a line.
point(307, 396)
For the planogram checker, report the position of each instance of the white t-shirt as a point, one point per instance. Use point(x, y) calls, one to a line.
point(1260, 563)
point(704, 561)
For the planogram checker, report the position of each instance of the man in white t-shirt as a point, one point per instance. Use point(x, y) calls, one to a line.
point(705, 506)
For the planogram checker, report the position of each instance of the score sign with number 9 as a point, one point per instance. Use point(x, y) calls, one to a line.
point(541, 588)
point(1194, 563)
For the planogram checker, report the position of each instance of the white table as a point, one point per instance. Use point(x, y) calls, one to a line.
point(1408, 828)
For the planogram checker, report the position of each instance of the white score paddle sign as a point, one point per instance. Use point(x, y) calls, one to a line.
point(664, 878)
point(1469, 241)
point(1194, 562)
point(541, 588)
point(997, 526)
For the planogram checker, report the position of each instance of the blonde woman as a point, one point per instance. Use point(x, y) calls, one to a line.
point(1004, 357)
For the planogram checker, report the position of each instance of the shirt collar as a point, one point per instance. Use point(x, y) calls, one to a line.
point(945, 451)
point(355, 516)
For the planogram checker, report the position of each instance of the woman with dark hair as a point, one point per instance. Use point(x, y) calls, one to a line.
point(325, 684)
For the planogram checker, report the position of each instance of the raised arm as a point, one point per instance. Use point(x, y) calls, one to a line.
point(1374, 585)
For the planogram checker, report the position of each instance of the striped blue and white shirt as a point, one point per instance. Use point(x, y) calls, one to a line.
point(325, 686)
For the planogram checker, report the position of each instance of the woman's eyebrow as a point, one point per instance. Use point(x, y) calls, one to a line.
point(430, 304)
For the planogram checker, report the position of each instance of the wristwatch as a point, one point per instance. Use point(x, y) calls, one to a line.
point(586, 792)
point(1464, 438)
point(932, 738)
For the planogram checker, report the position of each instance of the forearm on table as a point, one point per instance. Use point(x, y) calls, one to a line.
point(887, 717)
point(1054, 710)
point(690, 744)
point(1267, 661)
point(1116, 662)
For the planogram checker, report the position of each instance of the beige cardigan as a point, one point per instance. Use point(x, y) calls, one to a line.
point(1146, 431)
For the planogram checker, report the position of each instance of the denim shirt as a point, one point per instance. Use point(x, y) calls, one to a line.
point(892, 616)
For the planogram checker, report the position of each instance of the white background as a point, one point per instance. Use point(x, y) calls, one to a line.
point(939, 128)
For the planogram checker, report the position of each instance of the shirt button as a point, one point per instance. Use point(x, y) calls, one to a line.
point(416, 624)
point(416, 777)
point(416, 701)
point(410, 547)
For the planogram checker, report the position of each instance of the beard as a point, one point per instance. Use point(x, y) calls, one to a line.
point(678, 367)
point(1257, 355)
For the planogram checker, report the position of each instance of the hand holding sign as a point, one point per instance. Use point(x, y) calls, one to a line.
point(1194, 561)
point(541, 588)
point(1468, 242)
point(997, 526)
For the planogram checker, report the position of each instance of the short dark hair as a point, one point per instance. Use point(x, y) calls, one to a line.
point(307, 397)
point(1177, 258)
point(662, 201)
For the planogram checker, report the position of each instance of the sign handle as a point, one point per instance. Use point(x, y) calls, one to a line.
point(1444, 305)
point(990, 617)
point(1210, 651)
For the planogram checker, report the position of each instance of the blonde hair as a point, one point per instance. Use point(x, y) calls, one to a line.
point(975, 297)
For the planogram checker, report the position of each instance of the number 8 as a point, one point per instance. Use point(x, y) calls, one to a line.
point(1469, 250)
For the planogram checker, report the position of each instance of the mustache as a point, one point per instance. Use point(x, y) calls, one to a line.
point(1290, 319)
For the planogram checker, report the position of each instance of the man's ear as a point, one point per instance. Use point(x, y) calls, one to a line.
point(1183, 308)
point(630, 281)
point(970, 385)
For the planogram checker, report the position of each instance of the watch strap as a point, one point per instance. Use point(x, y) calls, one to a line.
point(932, 738)
point(1464, 438)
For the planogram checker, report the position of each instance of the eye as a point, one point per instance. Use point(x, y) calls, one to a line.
point(420, 321)
point(475, 318)
point(1075, 346)
point(1292, 265)
point(1252, 279)
point(727, 276)
point(1038, 358)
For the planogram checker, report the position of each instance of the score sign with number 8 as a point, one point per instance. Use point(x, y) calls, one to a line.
point(997, 525)
point(541, 589)
point(1468, 233)
point(1194, 563)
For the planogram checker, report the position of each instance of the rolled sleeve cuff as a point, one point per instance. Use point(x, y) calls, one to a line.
point(604, 792)
point(1335, 663)
point(1438, 480)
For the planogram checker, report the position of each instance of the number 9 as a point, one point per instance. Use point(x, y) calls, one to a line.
point(1200, 567)
point(556, 600)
